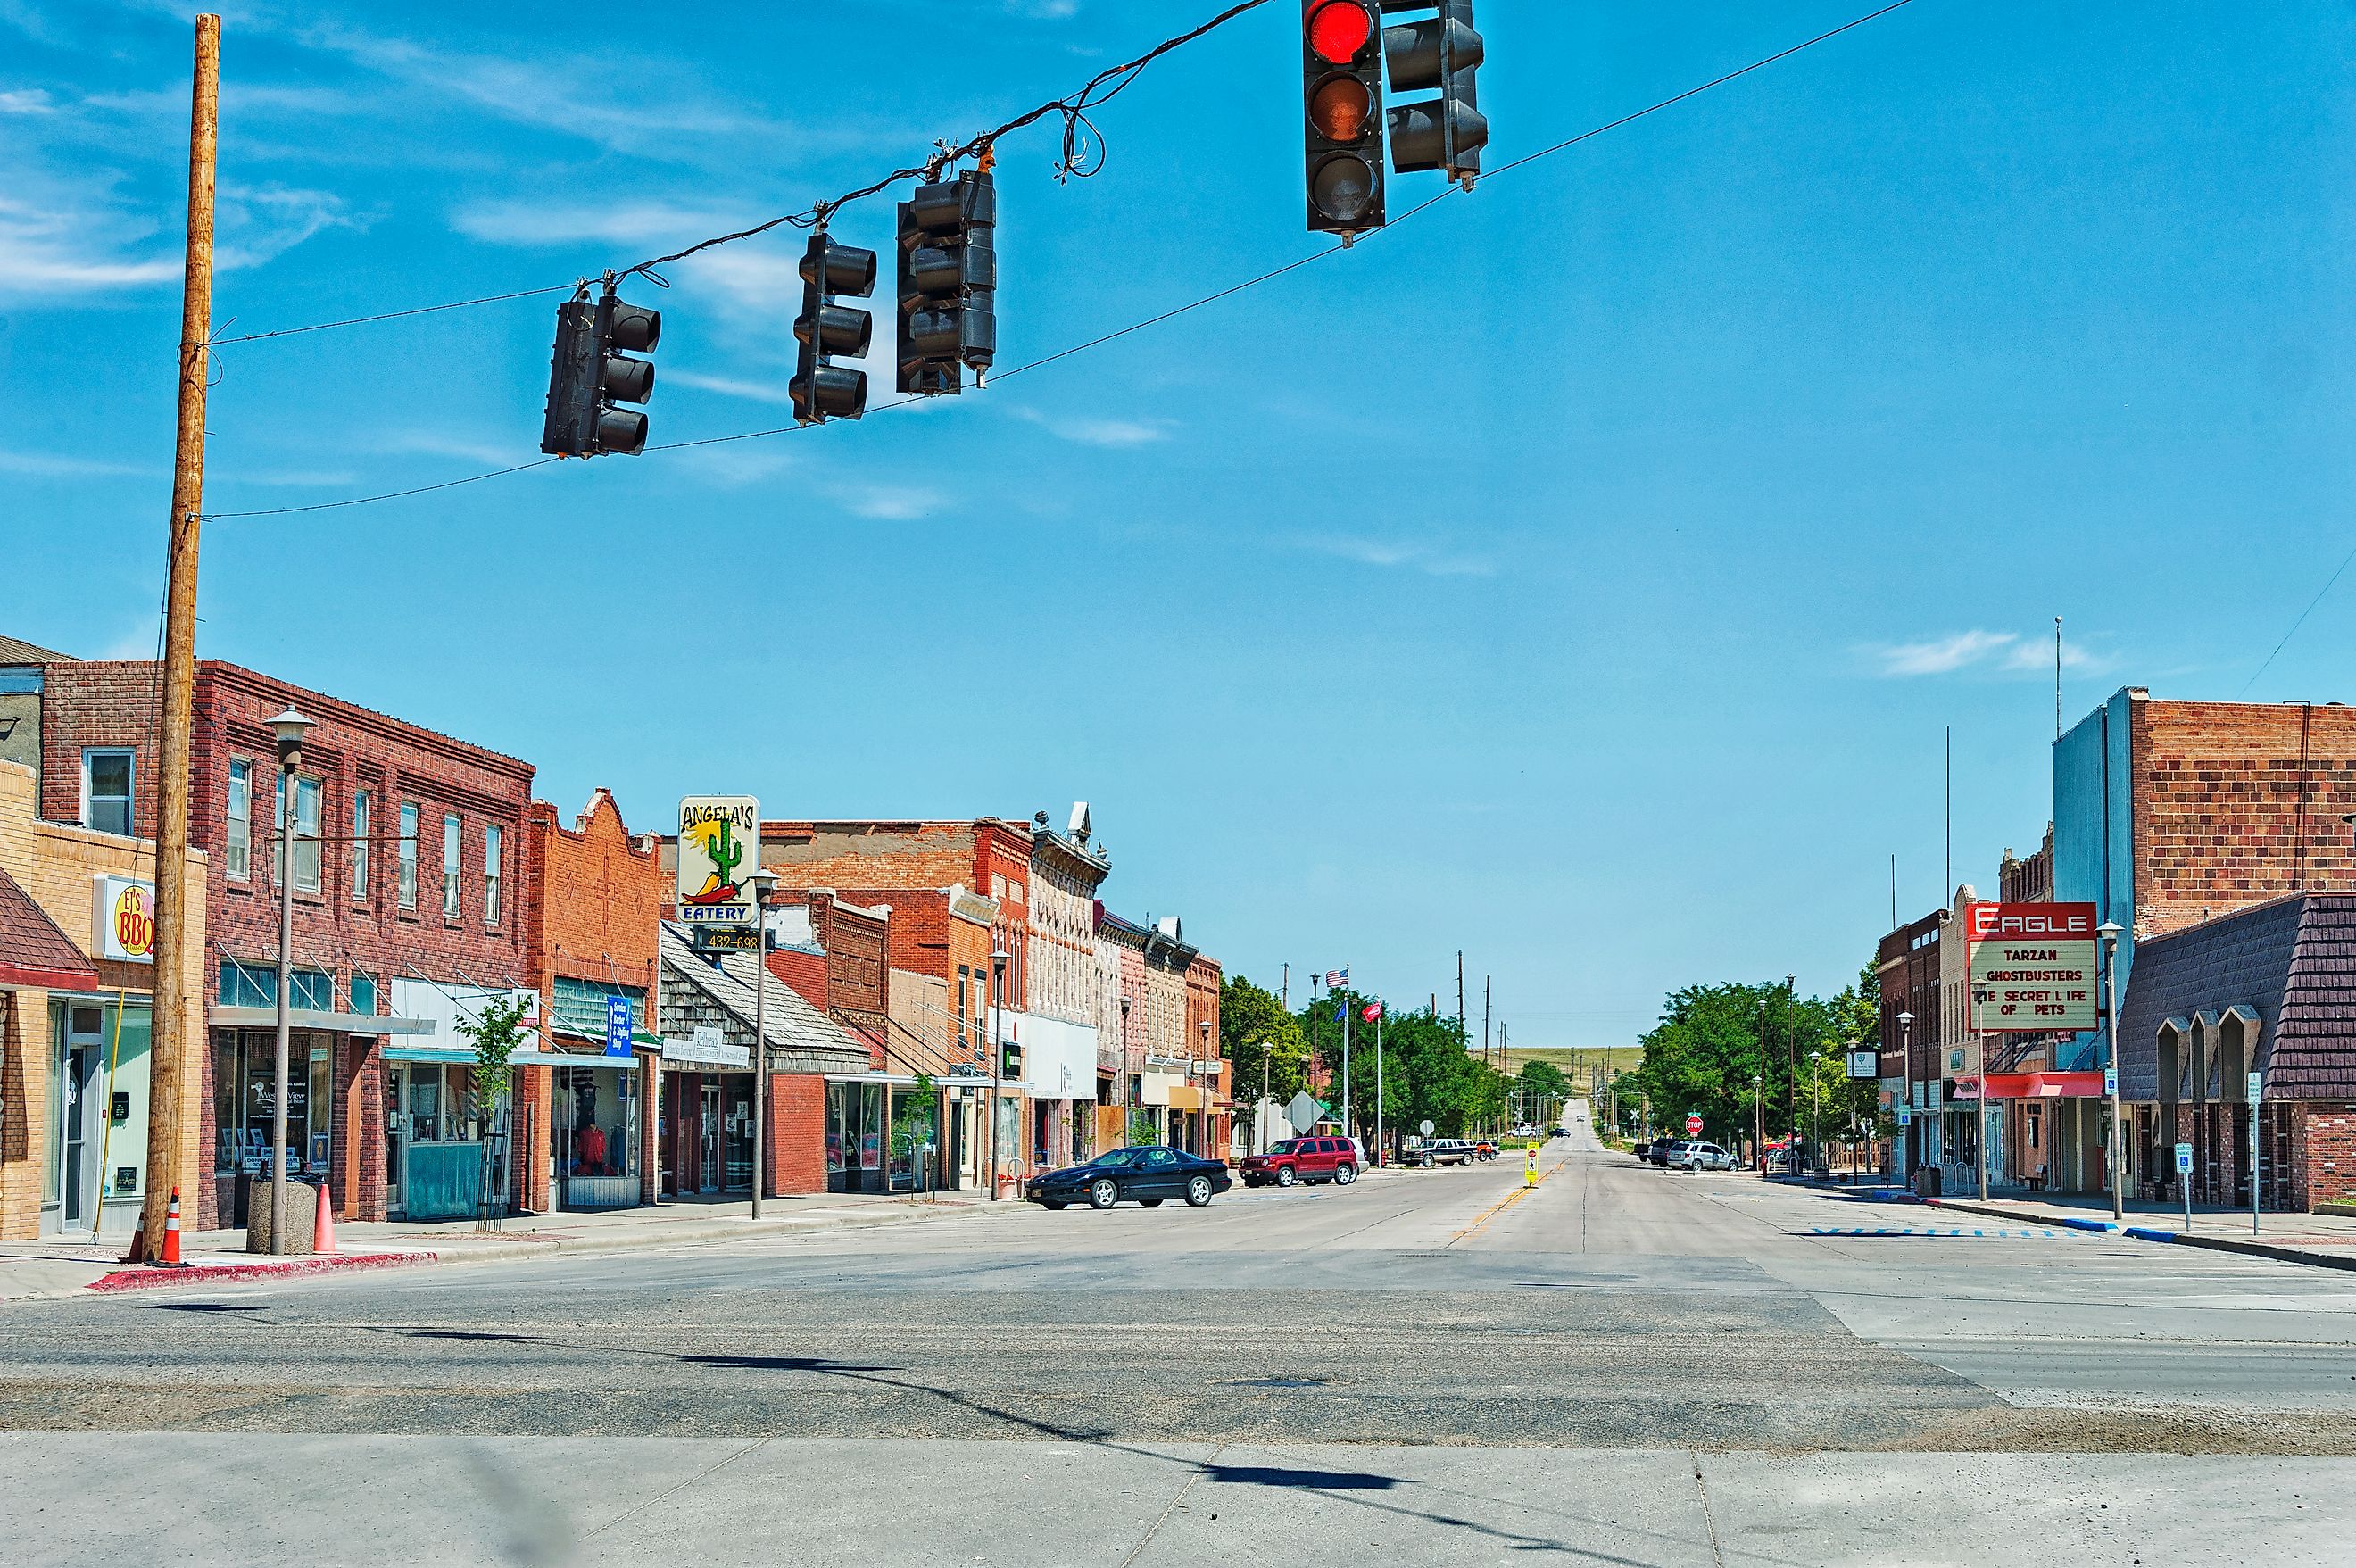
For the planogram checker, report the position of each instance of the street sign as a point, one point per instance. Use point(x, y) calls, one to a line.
point(2255, 1088)
point(1905, 1116)
point(2183, 1159)
point(717, 835)
point(1424, 1127)
point(1692, 1124)
point(2110, 1082)
point(617, 1025)
point(1304, 1112)
point(2032, 967)
point(1865, 1062)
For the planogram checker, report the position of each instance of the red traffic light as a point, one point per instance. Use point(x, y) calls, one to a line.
point(1339, 30)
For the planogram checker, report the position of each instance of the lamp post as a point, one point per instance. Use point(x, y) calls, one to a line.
point(1129, 1079)
point(1203, 1113)
point(1759, 1109)
point(290, 727)
point(1906, 1067)
point(763, 879)
point(2109, 930)
point(998, 960)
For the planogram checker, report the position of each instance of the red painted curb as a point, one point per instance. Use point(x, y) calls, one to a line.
point(231, 1273)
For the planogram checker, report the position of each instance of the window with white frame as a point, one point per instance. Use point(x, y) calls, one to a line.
point(239, 847)
point(450, 844)
point(106, 791)
point(360, 847)
point(408, 854)
point(491, 844)
point(306, 793)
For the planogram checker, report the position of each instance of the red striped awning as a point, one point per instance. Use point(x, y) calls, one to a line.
point(2037, 1086)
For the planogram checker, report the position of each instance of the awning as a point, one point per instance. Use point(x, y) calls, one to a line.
point(340, 1023)
point(2033, 1085)
point(34, 951)
point(1186, 1097)
point(443, 1054)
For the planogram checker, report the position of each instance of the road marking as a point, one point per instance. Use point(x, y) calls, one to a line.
point(1505, 1202)
point(1933, 1230)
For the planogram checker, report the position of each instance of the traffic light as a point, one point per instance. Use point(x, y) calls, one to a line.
point(822, 389)
point(1342, 87)
point(949, 283)
point(1441, 52)
point(587, 377)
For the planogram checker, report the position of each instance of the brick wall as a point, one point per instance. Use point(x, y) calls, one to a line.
point(798, 1133)
point(2238, 803)
point(598, 913)
point(2324, 1155)
point(25, 1035)
point(856, 940)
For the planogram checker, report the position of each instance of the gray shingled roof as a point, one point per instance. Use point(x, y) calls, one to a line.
point(2292, 961)
point(801, 1038)
point(16, 650)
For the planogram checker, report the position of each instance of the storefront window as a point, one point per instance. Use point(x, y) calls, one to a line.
point(596, 1119)
point(245, 1072)
point(836, 1093)
point(914, 1133)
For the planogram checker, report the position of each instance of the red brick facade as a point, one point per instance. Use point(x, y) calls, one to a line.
point(2238, 803)
point(337, 928)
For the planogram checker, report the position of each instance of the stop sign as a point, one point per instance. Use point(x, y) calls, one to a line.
point(1693, 1125)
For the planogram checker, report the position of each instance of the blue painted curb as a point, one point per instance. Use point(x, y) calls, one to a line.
point(2089, 1225)
point(2145, 1234)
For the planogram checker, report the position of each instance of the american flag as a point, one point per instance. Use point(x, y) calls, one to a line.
point(1336, 978)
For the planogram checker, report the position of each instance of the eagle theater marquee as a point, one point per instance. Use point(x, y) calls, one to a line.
point(2032, 967)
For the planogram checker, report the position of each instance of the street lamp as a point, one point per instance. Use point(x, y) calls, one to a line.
point(1906, 1068)
point(2110, 931)
point(1759, 1108)
point(998, 962)
point(763, 881)
point(290, 727)
point(1203, 1115)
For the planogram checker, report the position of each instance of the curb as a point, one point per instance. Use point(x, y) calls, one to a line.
point(2171, 1238)
point(233, 1273)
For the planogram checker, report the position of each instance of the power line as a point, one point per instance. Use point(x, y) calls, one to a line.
point(1211, 298)
point(2345, 562)
point(392, 315)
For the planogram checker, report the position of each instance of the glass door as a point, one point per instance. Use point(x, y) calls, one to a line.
point(708, 1178)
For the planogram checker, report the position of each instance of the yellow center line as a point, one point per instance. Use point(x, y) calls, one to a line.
point(1504, 1203)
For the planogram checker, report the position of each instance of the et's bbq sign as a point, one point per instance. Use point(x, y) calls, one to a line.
point(2032, 967)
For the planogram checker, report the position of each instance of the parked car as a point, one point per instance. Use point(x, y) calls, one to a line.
point(1430, 1151)
point(1149, 1174)
point(1642, 1147)
point(1292, 1161)
point(1484, 1149)
point(1692, 1157)
point(1663, 1150)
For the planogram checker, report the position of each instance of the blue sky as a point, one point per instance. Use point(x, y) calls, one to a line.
point(1582, 574)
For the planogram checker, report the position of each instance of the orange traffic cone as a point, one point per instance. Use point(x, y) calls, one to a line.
point(322, 1231)
point(171, 1259)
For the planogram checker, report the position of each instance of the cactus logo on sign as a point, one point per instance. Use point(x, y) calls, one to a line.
point(719, 845)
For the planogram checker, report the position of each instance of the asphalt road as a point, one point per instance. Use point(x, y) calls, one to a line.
point(1617, 1365)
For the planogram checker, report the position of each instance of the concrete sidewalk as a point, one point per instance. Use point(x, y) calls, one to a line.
point(65, 1265)
point(2326, 1240)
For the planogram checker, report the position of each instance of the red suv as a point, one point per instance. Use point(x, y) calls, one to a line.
point(1289, 1161)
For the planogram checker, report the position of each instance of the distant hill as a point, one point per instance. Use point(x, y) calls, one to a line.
point(1577, 1064)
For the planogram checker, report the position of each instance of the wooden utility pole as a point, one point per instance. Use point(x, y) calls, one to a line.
point(167, 1093)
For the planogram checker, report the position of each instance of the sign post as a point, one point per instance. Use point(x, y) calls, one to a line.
point(2257, 1089)
point(2184, 1180)
point(717, 891)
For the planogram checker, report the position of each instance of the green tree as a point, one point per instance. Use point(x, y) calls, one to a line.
point(495, 1032)
point(1543, 1090)
point(1258, 1034)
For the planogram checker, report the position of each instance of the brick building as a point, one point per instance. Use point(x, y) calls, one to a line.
point(76, 1037)
point(1121, 1020)
point(582, 1129)
point(411, 903)
point(1907, 964)
point(2269, 989)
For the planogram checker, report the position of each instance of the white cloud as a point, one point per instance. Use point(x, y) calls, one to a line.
point(434, 443)
point(56, 465)
point(1942, 655)
point(54, 244)
point(27, 101)
point(1392, 555)
point(647, 224)
point(727, 386)
point(888, 503)
point(2037, 653)
point(1099, 432)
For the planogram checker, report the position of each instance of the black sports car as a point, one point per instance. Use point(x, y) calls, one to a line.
point(1148, 1174)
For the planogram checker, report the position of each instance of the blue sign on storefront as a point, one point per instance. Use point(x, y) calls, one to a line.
point(617, 1025)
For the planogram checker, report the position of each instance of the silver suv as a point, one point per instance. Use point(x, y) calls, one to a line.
point(1700, 1157)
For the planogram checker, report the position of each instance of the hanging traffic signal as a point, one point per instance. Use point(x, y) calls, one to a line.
point(1441, 52)
point(949, 283)
point(822, 389)
point(1342, 85)
point(587, 377)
